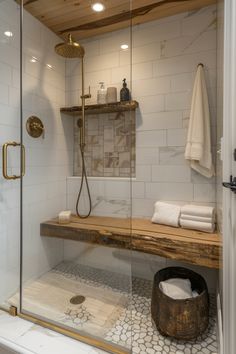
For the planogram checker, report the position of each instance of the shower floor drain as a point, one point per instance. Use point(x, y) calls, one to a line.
point(77, 300)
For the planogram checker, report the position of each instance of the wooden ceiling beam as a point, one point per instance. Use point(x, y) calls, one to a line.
point(126, 16)
point(77, 17)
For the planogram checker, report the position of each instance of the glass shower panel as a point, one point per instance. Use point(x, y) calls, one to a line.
point(166, 56)
point(10, 165)
point(76, 276)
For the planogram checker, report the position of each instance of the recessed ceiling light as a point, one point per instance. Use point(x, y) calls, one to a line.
point(8, 33)
point(49, 66)
point(124, 46)
point(33, 60)
point(98, 7)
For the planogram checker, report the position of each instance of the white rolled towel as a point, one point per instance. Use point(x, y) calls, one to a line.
point(64, 217)
point(197, 218)
point(167, 214)
point(198, 210)
point(177, 288)
point(197, 225)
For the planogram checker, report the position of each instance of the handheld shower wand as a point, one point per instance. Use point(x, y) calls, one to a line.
point(81, 125)
point(72, 49)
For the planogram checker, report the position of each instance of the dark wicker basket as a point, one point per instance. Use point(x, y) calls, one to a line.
point(181, 319)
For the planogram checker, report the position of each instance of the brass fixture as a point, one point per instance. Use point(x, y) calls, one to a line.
point(72, 49)
point(13, 311)
point(34, 127)
point(4, 160)
point(77, 299)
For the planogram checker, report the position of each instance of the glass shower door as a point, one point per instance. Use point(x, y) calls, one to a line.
point(9, 140)
point(76, 277)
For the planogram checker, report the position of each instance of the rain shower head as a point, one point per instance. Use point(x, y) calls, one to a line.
point(70, 49)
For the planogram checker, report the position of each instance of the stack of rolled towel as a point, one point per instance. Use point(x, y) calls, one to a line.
point(189, 216)
point(198, 217)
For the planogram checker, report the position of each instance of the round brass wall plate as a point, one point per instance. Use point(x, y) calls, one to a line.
point(34, 127)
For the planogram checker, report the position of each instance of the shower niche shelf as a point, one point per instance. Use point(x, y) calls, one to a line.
point(184, 245)
point(102, 108)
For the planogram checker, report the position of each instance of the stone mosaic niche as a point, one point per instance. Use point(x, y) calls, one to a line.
point(110, 145)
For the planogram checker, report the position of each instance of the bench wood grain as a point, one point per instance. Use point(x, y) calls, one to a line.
point(141, 235)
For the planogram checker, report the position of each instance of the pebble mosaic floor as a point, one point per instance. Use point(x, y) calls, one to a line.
point(135, 327)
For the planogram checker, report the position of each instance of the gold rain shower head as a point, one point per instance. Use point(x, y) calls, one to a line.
point(70, 49)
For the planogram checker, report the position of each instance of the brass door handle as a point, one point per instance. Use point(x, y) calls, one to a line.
point(4, 160)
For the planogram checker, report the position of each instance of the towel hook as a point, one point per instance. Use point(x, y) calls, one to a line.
point(200, 64)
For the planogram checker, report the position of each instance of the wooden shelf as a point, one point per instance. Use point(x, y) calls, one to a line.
point(189, 246)
point(102, 108)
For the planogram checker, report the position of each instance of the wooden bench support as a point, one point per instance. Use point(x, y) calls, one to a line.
point(189, 246)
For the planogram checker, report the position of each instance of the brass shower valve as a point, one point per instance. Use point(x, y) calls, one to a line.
point(34, 127)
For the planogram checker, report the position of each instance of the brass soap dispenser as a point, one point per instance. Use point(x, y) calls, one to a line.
point(124, 92)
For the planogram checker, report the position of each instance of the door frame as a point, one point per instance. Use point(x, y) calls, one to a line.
point(229, 167)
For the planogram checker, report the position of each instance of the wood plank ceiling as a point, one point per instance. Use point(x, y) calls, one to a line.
point(78, 18)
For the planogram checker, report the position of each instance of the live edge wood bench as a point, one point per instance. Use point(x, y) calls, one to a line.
point(184, 245)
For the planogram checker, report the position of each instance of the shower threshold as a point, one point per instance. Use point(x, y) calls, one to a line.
point(109, 312)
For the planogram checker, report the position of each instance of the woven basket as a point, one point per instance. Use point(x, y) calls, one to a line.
point(181, 319)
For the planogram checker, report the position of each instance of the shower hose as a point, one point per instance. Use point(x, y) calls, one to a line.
point(84, 178)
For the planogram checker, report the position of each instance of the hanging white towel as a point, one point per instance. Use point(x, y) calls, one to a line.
point(167, 214)
point(198, 210)
point(198, 147)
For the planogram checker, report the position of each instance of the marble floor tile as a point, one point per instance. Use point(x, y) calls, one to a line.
point(13, 327)
point(23, 337)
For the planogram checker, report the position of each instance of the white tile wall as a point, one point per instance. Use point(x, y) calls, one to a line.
point(165, 56)
point(48, 160)
point(9, 126)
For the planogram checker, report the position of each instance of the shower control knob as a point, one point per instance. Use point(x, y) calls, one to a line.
point(231, 184)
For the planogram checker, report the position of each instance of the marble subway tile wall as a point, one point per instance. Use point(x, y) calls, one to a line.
point(48, 160)
point(110, 196)
point(165, 99)
point(164, 61)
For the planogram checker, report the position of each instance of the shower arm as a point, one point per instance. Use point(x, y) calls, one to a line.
point(83, 98)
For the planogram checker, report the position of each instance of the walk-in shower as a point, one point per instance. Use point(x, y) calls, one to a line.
point(71, 49)
point(91, 278)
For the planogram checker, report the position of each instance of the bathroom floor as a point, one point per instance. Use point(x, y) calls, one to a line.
point(106, 310)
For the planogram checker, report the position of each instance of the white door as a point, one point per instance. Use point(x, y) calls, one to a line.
point(229, 168)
